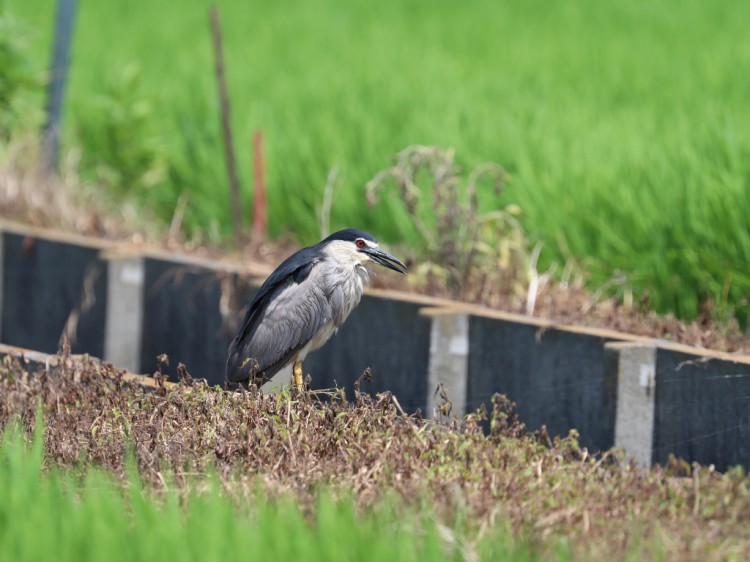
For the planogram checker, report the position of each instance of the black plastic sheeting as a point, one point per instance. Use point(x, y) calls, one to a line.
point(702, 410)
point(563, 380)
point(44, 282)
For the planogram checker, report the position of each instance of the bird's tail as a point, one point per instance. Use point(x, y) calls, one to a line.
point(241, 371)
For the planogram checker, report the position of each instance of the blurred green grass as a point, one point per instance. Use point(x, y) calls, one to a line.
point(56, 514)
point(625, 124)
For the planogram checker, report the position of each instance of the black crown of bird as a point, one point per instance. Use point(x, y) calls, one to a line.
point(302, 304)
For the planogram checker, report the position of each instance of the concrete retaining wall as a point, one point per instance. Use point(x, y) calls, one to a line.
point(651, 397)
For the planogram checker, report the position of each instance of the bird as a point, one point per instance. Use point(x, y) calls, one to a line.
point(302, 304)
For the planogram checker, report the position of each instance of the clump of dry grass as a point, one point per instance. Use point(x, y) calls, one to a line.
point(540, 488)
point(471, 254)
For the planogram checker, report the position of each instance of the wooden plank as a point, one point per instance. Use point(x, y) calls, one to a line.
point(61, 236)
point(543, 324)
point(37, 360)
point(124, 247)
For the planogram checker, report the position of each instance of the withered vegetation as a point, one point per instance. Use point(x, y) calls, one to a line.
point(540, 488)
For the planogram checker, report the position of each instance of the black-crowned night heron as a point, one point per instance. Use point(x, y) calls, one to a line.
point(302, 304)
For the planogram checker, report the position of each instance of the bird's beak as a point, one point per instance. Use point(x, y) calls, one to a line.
point(383, 258)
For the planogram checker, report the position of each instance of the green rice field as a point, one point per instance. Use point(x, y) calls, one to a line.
point(62, 514)
point(625, 125)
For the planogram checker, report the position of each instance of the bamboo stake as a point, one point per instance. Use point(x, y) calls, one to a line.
point(234, 182)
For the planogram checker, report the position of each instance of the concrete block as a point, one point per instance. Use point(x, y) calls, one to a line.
point(636, 399)
point(449, 360)
point(124, 326)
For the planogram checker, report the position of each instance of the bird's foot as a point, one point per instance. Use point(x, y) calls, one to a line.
point(298, 377)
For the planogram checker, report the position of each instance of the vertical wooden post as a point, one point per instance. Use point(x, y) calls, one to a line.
point(260, 216)
point(234, 181)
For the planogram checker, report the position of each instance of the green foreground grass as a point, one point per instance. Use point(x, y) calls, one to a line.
point(625, 124)
point(61, 514)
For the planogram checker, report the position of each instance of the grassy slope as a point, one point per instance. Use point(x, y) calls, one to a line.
point(624, 124)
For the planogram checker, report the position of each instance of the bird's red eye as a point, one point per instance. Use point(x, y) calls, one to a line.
point(360, 243)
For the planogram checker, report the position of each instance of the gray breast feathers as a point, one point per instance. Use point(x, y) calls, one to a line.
point(298, 317)
point(345, 285)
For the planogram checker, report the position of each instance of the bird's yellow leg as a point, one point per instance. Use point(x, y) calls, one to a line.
point(297, 375)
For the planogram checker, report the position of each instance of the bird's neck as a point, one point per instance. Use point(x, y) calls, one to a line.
point(363, 273)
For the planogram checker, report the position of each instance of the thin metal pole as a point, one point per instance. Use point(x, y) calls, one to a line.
point(234, 182)
point(66, 11)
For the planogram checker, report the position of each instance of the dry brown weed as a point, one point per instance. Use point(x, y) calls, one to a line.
point(540, 488)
